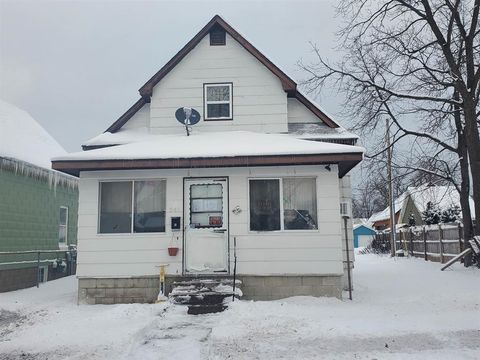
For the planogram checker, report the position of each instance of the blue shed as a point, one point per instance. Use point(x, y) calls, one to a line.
point(362, 235)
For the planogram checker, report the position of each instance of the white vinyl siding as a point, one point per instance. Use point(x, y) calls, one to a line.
point(259, 101)
point(299, 113)
point(258, 253)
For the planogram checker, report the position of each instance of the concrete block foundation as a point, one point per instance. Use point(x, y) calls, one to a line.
point(145, 289)
point(279, 287)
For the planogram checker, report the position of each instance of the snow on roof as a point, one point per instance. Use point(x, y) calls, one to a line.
point(442, 196)
point(364, 225)
point(385, 214)
point(204, 145)
point(22, 138)
point(299, 131)
point(318, 131)
point(122, 136)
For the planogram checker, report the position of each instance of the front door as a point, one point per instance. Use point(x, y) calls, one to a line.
point(206, 225)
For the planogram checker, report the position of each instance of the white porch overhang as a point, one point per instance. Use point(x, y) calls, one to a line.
point(212, 149)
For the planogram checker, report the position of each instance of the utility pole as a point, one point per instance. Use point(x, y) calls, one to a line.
point(391, 198)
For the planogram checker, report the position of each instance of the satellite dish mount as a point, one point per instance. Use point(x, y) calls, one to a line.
point(188, 117)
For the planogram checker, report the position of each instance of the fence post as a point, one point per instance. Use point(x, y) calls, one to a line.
point(411, 242)
point(460, 235)
point(440, 235)
point(38, 268)
point(424, 243)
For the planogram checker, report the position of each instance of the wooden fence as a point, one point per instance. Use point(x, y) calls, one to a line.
point(432, 242)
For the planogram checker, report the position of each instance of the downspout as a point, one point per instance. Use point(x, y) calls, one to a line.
point(345, 220)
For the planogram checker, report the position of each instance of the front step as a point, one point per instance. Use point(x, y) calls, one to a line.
point(204, 295)
point(205, 309)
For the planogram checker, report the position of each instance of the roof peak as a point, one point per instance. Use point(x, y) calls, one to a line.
point(288, 84)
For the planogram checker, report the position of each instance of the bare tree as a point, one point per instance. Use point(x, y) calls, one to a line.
point(416, 62)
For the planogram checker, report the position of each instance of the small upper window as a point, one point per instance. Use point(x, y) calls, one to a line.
point(217, 36)
point(218, 101)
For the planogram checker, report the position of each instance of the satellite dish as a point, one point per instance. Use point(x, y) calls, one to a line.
point(187, 116)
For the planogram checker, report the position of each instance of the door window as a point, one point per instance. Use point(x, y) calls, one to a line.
point(206, 205)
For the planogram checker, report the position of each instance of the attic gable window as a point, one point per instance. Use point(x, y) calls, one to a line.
point(217, 101)
point(217, 36)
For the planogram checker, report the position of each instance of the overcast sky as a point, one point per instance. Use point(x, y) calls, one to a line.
point(76, 66)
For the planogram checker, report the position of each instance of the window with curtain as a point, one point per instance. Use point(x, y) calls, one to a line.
point(115, 207)
point(149, 211)
point(132, 206)
point(265, 205)
point(299, 204)
point(299, 199)
point(218, 101)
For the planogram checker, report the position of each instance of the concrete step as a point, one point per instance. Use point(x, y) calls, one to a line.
point(205, 309)
point(199, 299)
point(204, 295)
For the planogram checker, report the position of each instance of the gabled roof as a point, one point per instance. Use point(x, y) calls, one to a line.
point(358, 226)
point(441, 196)
point(288, 84)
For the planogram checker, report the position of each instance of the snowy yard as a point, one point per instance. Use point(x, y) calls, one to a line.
point(402, 308)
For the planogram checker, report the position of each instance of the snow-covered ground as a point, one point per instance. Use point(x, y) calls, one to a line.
point(404, 308)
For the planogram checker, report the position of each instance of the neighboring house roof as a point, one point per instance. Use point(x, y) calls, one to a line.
point(212, 149)
point(359, 227)
point(22, 138)
point(385, 214)
point(288, 84)
point(442, 196)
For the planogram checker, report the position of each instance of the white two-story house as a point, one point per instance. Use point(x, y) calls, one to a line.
point(262, 175)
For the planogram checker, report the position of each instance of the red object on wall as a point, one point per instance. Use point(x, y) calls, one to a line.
point(172, 251)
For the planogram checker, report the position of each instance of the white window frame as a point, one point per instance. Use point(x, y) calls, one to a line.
point(133, 208)
point(66, 226)
point(282, 215)
point(206, 102)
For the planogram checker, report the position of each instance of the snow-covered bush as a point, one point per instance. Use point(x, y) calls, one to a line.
point(432, 214)
point(451, 214)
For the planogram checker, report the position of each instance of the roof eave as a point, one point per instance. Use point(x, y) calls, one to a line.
point(345, 161)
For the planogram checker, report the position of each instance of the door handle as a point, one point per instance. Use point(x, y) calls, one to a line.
point(219, 231)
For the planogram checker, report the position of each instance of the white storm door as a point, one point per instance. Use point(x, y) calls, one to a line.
point(206, 225)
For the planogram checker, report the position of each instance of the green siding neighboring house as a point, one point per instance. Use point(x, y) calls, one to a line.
point(30, 211)
point(38, 205)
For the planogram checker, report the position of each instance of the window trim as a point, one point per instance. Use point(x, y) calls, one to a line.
point(66, 227)
point(99, 201)
point(282, 215)
point(205, 103)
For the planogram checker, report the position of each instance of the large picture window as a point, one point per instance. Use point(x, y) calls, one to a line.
point(132, 206)
point(218, 101)
point(298, 197)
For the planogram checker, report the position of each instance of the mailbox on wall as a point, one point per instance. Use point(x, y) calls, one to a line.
point(175, 220)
